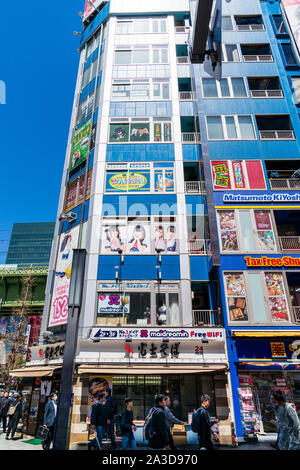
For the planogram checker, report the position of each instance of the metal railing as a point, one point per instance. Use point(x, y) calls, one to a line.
point(290, 243)
point(296, 311)
point(198, 246)
point(250, 27)
point(284, 183)
point(194, 187)
point(187, 96)
point(258, 58)
point(277, 135)
point(266, 93)
point(190, 137)
point(183, 60)
point(207, 318)
point(181, 29)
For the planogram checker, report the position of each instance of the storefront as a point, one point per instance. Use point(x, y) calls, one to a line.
point(266, 361)
point(142, 362)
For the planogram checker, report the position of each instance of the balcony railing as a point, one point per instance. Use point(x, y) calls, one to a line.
point(190, 137)
point(250, 27)
point(194, 187)
point(258, 58)
point(183, 60)
point(207, 318)
point(277, 135)
point(284, 183)
point(296, 311)
point(290, 243)
point(187, 96)
point(181, 29)
point(199, 246)
point(266, 93)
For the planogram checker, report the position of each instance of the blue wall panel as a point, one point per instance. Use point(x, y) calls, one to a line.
point(140, 152)
point(140, 204)
point(199, 268)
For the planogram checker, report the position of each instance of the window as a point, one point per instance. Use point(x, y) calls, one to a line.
point(139, 235)
point(230, 53)
point(227, 23)
point(279, 24)
point(140, 130)
point(160, 55)
point(93, 44)
point(296, 88)
point(246, 231)
point(141, 55)
point(89, 74)
point(154, 89)
point(167, 309)
point(230, 127)
point(236, 297)
point(289, 55)
point(140, 177)
point(141, 25)
point(230, 87)
point(123, 57)
point(86, 107)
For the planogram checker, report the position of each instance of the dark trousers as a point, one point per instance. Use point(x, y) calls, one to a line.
point(47, 442)
point(12, 426)
point(111, 434)
point(171, 440)
point(206, 442)
point(4, 422)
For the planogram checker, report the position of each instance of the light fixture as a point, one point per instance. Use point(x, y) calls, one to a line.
point(96, 339)
point(80, 14)
point(204, 341)
point(70, 217)
point(77, 33)
point(165, 340)
point(121, 256)
point(128, 340)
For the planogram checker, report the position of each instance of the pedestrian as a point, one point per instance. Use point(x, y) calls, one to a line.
point(111, 411)
point(5, 404)
point(1, 398)
point(127, 426)
point(202, 424)
point(50, 414)
point(15, 414)
point(288, 423)
point(170, 420)
point(160, 439)
point(99, 421)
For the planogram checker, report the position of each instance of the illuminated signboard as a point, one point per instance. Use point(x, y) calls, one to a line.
point(266, 262)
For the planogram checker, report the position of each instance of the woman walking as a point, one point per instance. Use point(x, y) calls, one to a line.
point(14, 413)
point(288, 423)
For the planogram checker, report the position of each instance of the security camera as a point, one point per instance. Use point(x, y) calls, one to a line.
point(70, 217)
point(47, 334)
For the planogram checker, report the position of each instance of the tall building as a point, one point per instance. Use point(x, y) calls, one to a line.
point(30, 243)
point(183, 190)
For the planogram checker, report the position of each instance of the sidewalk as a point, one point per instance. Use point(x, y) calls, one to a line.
point(17, 444)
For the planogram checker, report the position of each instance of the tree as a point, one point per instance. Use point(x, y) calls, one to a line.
point(15, 338)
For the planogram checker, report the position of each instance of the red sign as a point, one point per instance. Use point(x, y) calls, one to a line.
point(221, 176)
point(88, 10)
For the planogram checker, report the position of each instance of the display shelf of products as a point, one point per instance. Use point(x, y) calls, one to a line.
point(248, 412)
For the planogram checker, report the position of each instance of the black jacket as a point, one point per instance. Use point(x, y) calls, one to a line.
point(161, 436)
point(126, 423)
point(4, 409)
point(99, 415)
point(109, 405)
point(206, 423)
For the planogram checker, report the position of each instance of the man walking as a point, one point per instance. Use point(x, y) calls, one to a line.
point(49, 420)
point(170, 420)
point(99, 421)
point(1, 398)
point(160, 438)
point(111, 411)
point(5, 404)
point(202, 423)
point(127, 426)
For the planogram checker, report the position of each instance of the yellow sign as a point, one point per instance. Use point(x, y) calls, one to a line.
point(128, 181)
point(278, 350)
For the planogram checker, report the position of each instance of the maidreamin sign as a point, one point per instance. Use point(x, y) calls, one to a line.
point(211, 334)
point(269, 198)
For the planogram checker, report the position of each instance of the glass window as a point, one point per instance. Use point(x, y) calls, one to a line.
point(214, 127)
point(123, 57)
point(174, 309)
point(238, 87)
point(141, 26)
point(140, 56)
point(86, 77)
point(209, 88)
point(236, 296)
point(296, 86)
point(279, 24)
point(264, 230)
point(257, 297)
point(227, 23)
point(121, 91)
point(246, 127)
point(225, 92)
point(124, 27)
point(247, 231)
point(289, 54)
point(231, 53)
point(230, 127)
point(139, 309)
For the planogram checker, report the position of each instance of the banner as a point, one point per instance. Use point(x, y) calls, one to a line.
point(88, 10)
point(128, 181)
point(292, 11)
point(80, 145)
point(221, 176)
point(188, 334)
point(113, 304)
point(62, 275)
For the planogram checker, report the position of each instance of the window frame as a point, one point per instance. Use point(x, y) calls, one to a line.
point(230, 86)
point(147, 120)
point(135, 81)
point(237, 127)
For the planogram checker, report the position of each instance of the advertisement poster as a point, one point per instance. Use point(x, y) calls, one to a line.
point(98, 385)
point(228, 231)
point(138, 238)
point(266, 241)
point(113, 304)
point(119, 133)
point(235, 285)
point(277, 299)
point(60, 296)
point(128, 181)
point(80, 145)
point(74, 193)
point(220, 173)
point(236, 297)
point(113, 238)
point(238, 175)
point(164, 180)
point(292, 10)
point(88, 10)
point(165, 237)
point(140, 132)
point(262, 220)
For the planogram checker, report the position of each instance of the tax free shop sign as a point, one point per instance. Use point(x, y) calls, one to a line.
point(268, 262)
point(268, 198)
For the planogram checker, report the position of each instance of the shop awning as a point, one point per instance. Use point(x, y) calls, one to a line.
point(134, 370)
point(34, 371)
point(265, 334)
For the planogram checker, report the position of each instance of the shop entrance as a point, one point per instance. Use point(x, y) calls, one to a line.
point(185, 392)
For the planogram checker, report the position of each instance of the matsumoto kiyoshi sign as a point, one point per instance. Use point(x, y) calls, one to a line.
point(275, 197)
point(211, 334)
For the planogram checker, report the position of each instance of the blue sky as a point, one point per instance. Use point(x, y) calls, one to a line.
point(38, 63)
